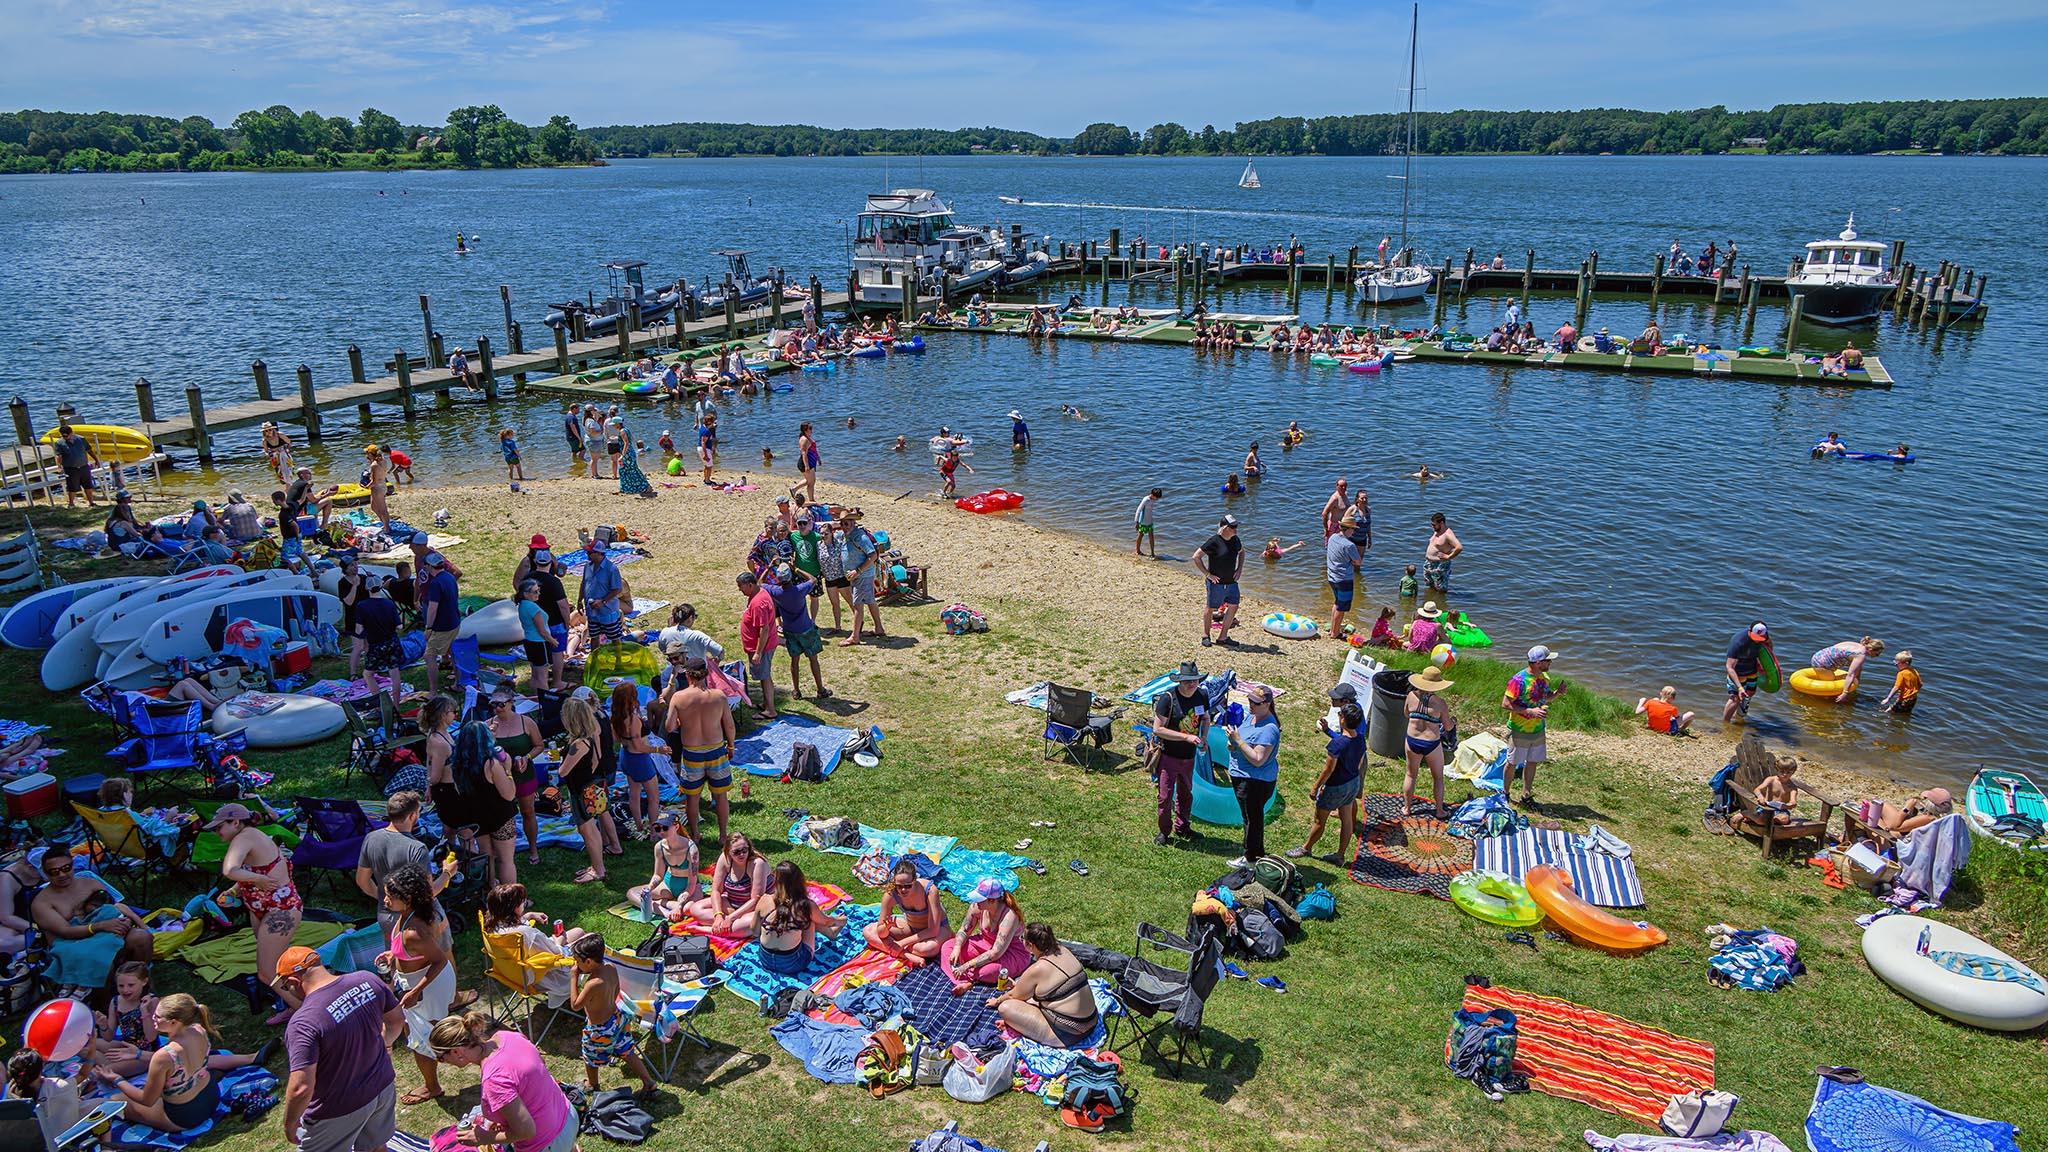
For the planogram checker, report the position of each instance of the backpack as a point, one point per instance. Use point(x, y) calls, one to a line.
point(1095, 1093)
point(1258, 897)
point(804, 764)
point(887, 1062)
point(1319, 904)
point(1259, 936)
point(1278, 875)
point(618, 1117)
point(872, 867)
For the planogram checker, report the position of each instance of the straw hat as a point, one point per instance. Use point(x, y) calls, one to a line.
point(1429, 611)
point(1430, 679)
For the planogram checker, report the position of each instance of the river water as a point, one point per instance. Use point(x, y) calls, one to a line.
point(1634, 522)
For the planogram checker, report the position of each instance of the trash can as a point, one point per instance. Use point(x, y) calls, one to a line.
point(1386, 729)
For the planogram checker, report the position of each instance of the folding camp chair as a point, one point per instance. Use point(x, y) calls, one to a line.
point(119, 846)
point(663, 1009)
point(1071, 728)
point(333, 837)
point(516, 972)
point(468, 657)
point(1145, 989)
point(171, 742)
point(369, 746)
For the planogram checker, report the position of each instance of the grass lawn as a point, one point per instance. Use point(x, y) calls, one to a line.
point(1351, 1055)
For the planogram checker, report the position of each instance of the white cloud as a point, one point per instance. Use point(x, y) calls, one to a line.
point(335, 34)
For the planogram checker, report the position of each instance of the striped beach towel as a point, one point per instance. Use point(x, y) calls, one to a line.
point(1609, 881)
point(1599, 1060)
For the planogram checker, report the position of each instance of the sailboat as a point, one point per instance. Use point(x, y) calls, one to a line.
point(1403, 281)
point(1250, 179)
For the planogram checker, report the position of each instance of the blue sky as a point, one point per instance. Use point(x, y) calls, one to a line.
point(1048, 67)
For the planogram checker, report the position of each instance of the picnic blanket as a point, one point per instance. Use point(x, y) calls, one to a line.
point(555, 831)
point(575, 560)
point(942, 1016)
point(1599, 878)
point(223, 958)
point(765, 750)
point(1029, 696)
point(1407, 853)
point(746, 978)
point(1866, 1118)
point(869, 966)
point(893, 842)
point(435, 540)
point(825, 896)
point(966, 868)
point(128, 1134)
point(1602, 1061)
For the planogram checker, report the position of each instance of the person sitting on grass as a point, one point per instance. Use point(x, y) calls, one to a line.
point(594, 991)
point(1663, 715)
point(789, 922)
point(912, 926)
point(1338, 785)
point(738, 881)
point(1383, 631)
point(1051, 1002)
point(522, 1107)
point(989, 948)
point(672, 887)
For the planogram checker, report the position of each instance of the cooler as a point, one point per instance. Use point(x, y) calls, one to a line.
point(31, 796)
point(84, 789)
point(296, 658)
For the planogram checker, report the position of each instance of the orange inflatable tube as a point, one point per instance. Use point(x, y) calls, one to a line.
point(1551, 889)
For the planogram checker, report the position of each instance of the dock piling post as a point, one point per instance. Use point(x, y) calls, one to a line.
point(562, 349)
point(517, 339)
point(1898, 254)
point(1749, 301)
point(145, 401)
point(624, 332)
point(24, 428)
point(1329, 277)
point(405, 375)
point(1465, 281)
point(427, 319)
point(818, 300)
point(1922, 289)
point(484, 366)
point(1657, 286)
point(262, 372)
point(437, 351)
point(1947, 293)
point(1528, 279)
point(1721, 285)
point(633, 322)
point(202, 441)
point(505, 298)
point(355, 364)
point(1443, 291)
point(1351, 264)
point(732, 311)
point(775, 304)
point(309, 405)
point(1902, 292)
point(1792, 320)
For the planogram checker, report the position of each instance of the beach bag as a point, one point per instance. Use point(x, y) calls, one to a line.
point(805, 764)
point(958, 619)
point(1319, 904)
point(1283, 915)
point(886, 1065)
point(978, 1085)
point(832, 832)
point(1698, 1114)
point(930, 1061)
point(618, 1117)
point(1278, 875)
point(1259, 936)
point(872, 867)
point(1095, 1094)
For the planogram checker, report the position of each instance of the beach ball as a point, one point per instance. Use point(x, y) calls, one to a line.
point(58, 1030)
point(675, 466)
point(1443, 656)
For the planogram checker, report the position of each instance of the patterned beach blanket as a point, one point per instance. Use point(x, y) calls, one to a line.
point(1609, 881)
point(1867, 1118)
point(1404, 852)
point(1601, 1061)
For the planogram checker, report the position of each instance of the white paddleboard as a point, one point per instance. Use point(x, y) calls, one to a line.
point(495, 624)
point(86, 607)
point(1891, 947)
point(106, 622)
point(121, 625)
point(130, 669)
point(33, 622)
point(299, 720)
point(196, 629)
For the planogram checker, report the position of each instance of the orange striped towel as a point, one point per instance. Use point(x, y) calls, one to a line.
point(872, 965)
point(1599, 1060)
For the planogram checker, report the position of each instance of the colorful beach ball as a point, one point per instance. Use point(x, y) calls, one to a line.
point(1443, 656)
point(58, 1030)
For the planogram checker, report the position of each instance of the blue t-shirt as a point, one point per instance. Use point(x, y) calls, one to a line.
point(442, 590)
point(1349, 751)
point(1257, 734)
point(533, 621)
point(792, 606)
point(1744, 650)
point(601, 579)
point(1341, 559)
point(858, 547)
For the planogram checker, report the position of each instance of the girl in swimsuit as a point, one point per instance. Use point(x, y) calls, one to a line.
point(807, 460)
point(1428, 716)
point(1051, 1002)
point(789, 922)
point(738, 880)
point(673, 884)
point(127, 1029)
point(179, 1093)
point(421, 971)
point(1253, 466)
point(636, 758)
point(912, 926)
point(263, 880)
point(517, 736)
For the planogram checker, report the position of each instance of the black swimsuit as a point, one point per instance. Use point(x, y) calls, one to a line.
point(1066, 1027)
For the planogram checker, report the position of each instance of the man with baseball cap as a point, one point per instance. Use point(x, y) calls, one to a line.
point(341, 1096)
point(1527, 700)
point(440, 604)
point(1220, 559)
point(1744, 664)
point(600, 593)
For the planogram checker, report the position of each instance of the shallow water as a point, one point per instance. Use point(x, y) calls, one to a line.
point(1633, 522)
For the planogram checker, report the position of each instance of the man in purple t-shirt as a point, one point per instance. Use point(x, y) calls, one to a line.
point(799, 632)
point(341, 1096)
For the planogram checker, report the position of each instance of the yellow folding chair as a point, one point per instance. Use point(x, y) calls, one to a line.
point(517, 981)
point(120, 847)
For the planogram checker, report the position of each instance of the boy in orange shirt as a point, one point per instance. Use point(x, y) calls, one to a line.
point(1663, 714)
point(1905, 687)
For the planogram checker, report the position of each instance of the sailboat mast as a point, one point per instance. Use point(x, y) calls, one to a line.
point(1408, 154)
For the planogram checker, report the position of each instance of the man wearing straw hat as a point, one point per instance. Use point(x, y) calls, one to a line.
point(1527, 699)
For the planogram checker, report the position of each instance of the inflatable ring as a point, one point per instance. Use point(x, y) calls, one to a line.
point(1288, 626)
point(1494, 898)
point(1551, 889)
point(1212, 802)
point(637, 387)
point(1364, 365)
point(1466, 635)
point(1815, 682)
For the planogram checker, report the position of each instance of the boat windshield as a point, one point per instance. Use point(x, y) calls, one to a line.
point(1852, 257)
point(882, 229)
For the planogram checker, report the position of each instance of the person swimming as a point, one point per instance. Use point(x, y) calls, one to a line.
point(1294, 435)
point(1425, 475)
point(1232, 486)
point(1253, 466)
point(1274, 551)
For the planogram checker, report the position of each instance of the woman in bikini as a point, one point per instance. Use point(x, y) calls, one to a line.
point(421, 971)
point(179, 1093)
point(585, 778)
point(807, 460)
point(673, 884)
point(517, 736)
point(1253, 466)
point(738, 881)
point(912, 926)
point(1428, 716)
point(636, 758)
point(789, 922)
point(1051, 1002)
point(989, 948)
point(263, 881)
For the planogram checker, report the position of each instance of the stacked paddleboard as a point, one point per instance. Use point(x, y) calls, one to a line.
point(123, 631)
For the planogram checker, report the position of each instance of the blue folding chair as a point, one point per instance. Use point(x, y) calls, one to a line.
point(170, 743)
point(333, 836)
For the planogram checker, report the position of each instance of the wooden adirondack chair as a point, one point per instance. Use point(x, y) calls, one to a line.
point(1772, 825)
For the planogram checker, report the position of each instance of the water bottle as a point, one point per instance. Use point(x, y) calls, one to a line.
point(647, 904)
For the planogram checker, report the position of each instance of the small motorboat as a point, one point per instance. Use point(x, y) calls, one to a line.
point(1011, 199)
point(751, 290)
point(626, 288)
point(1025, 269)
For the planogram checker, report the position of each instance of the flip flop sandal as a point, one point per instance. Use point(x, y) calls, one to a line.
point(1043, 824)
point(1522, 938)
point(1021, 845)
point(1273, 982)
point(1079, 868)
point(1234, 972)
point(1035, 866)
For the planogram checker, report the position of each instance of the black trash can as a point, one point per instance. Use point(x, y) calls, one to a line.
point(1386, 729)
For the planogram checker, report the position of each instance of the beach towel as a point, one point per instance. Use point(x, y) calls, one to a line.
point(223, 958)
point(1481, 759)
point(1867, 1118)
point(1977, 967)
point(1031, 696)
point(435, 540)
point(892, 842)
point(825, 896)
point(1601, 1061)
point(869, 966)
point(355, 951)
point(1049, 1062)
point(1407, 853)
point(966, 868)
point(1743, 1141)
point(555, 831)
point(573, 562)
point(126, 1134)
point(1598, 877)
point(765, 750)
point(746, 977)
point(642, 606)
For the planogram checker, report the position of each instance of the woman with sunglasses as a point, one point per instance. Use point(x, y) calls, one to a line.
point(738, 881)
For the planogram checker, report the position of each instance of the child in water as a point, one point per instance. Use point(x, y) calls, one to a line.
point(1274, 551)
point(1233, 486)
point(1294, 435)
point(508, 443)
point(401, 465)
point(1662, 714)
point(900, 445)
point(1408, 585)
point(1905, 687)
point(767, 457)
point(947, 463)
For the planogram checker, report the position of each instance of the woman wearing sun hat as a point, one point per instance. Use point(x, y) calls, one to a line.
point(1428, 715)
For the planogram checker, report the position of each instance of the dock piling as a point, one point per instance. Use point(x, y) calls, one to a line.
point(1329, 277)
point(1351, 265)
point(483, 363)
point(1443, 290)
point(309, 405)
point(1721, 286)
point(262, 373)
point(562, 350)
point(355, 365)
point(1657, 286)
point(427, 320)
point(405, 374)
point(1792, 320)
point(24, 428)
point(505, 298)
point(1528, 277)
point(145, 400)
point(624, 332)
point(437, 350)
point(732, 316)
point(1947, 293)
point(195, 404)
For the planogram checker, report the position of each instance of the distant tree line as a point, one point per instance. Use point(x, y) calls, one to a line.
point(804, 140)
point(277, 137)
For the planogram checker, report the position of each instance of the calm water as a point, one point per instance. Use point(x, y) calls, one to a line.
point(1633, 522)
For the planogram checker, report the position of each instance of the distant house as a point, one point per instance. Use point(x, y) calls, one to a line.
point(1754, 142)
point(426, 141)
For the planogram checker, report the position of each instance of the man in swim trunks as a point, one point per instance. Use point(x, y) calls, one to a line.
point(1220, 559)
point(701, 722)
point(1444, 547)
point(1527, 699)
point(1144, 522)
point(1744, 665)
point(1333, 508)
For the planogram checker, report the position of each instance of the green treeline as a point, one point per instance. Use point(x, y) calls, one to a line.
point(2003, 126)
point(279, 138)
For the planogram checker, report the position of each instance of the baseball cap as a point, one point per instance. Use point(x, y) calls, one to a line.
point(433, 560)
point(543, 558)
point(1757, 631)
point(1228, 521)
point(230, 811)
point(1343, 693)
point(419, 538)
point(296, 961)
point(584, 692)
point(1540, 653)
point(990, 888)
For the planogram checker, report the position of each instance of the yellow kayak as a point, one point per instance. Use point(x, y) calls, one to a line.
point(1814, 682)
point(349, 495)
point(112, 443)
